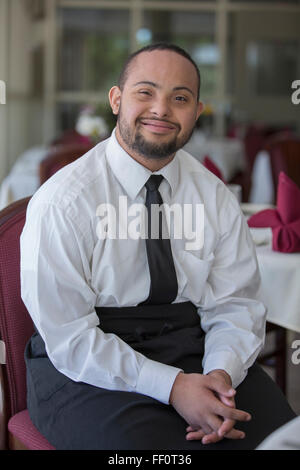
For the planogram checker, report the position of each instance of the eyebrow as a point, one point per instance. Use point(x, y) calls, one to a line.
point(155, 85)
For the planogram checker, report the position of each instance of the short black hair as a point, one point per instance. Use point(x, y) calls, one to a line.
point(161, 46)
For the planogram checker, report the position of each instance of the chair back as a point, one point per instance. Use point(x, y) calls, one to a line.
point(253, 142)
point(60, 156)
point(257, 137)
point(285, 156)
point(16, 326)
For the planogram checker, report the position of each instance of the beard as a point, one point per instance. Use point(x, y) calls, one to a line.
point(136, 142)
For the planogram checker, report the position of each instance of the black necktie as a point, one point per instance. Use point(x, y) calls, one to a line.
point(163, 287)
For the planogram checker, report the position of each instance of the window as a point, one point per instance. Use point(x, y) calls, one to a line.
point(194, 31)
point(245, 50)
point(272, 66)
point(89, 55)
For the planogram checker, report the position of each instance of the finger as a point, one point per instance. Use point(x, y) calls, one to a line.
point(231, 413)
point(227, 424)
point(207, 428)
point(215, 423)
point(191, 428)
point(195, 435)
point(235, 434)
point(227, 401)
point(211, 438)
point(203, 425)
point(226, 427)
point(221, 387)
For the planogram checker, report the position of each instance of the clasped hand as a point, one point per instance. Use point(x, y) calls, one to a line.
point(207, 404)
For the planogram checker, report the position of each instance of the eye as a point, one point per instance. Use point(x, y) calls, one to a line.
point(181, 98)
point(145, 92)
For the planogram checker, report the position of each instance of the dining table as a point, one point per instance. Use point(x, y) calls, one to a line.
point(280, 293)
point(280, 275)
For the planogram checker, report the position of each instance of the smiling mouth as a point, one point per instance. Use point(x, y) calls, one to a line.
point(158, 127)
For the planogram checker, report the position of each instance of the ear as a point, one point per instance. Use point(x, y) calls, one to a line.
point(200, 109)
point(114, 96)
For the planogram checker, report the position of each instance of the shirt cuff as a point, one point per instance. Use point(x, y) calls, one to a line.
point(156, 380)
point(227, 361)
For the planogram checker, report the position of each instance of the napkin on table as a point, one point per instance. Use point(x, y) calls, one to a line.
point(285, 219)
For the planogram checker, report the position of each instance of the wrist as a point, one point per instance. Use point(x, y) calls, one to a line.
point(176, 385)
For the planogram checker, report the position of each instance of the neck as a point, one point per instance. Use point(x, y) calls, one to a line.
point(151, 164)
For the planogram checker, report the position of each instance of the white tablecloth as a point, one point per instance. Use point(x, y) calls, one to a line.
point(280, 274)
point(228, 154)
point(23, 179)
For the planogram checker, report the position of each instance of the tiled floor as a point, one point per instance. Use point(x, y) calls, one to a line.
point(293, 371)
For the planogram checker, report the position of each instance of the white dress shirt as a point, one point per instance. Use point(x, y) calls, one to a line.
point(67, 270)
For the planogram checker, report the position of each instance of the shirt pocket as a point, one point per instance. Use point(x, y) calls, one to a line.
point(194, 272)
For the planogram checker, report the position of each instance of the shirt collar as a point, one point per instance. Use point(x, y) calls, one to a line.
point(131, 174)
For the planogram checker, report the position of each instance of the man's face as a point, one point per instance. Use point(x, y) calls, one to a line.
point(157, 108)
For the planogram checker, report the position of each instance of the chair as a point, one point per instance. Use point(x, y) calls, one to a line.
point(285, 156)
point(253, 141)
point(59, 156)
point(71, 136)
point(257, 136)
point(16, 327)
point(276, 358)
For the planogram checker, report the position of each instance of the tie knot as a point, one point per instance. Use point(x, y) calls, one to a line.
point(154, 182)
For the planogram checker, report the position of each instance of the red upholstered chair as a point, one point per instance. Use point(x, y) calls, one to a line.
point(59, 156)
point(285, 156)
point(16, 327)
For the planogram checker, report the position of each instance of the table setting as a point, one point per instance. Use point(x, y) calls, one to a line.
point(275, 230)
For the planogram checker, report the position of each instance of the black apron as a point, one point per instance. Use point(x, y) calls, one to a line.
point(76, 415)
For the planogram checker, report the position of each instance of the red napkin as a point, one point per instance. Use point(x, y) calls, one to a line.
point(211, 166)
point(285, 219)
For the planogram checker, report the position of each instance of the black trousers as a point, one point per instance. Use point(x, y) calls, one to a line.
point(76, 415)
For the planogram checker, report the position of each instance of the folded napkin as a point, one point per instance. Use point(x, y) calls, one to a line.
point(285, 219)
point(211, 166)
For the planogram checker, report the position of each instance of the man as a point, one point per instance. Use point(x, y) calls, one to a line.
point(126, 322)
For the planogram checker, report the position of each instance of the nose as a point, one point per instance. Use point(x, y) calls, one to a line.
point(161, 107)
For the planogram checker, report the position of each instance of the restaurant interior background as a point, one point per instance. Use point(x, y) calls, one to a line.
point(59, 58)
